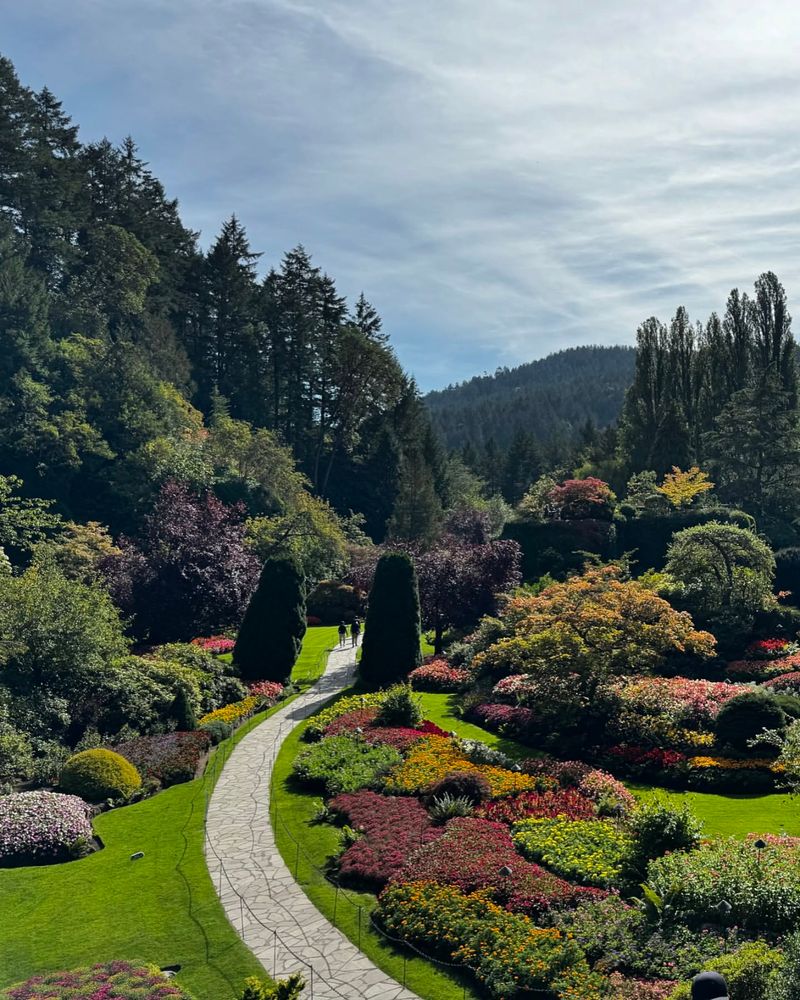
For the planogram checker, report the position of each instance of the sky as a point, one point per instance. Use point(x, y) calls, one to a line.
point(502, 180)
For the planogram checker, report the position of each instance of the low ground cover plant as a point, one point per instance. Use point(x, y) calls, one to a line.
point(232, 714)
point(593, 852)
point(479, 854)
point(351, 703)
point(344, 764)
point(566, 802)
point(100, 774)
point(508, 720)
point(508, 954)
point(430, 760)
point(107, 981)
point(392, 827)
point(215, 644)
point(168, 758)
point(43, 827)
point(364, 722)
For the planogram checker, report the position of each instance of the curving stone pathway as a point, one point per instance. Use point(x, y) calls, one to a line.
point(272, 914)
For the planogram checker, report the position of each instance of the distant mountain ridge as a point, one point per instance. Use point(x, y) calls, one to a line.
point(551, 398)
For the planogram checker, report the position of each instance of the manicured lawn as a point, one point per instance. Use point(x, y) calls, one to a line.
point(161, 908)
point(314, 655)
point(441, 709)
point(306, 847)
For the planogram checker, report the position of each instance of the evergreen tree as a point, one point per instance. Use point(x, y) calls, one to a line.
point(392, 633)
point(182, 711)
point(274, 624)
point(522, 466)
point(417, 512)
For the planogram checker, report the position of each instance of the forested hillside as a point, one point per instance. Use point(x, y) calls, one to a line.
point(551, 398)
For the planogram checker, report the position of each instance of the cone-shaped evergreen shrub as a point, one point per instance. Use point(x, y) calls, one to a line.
point(182, 711)
point(274, 624)
point(391, 637)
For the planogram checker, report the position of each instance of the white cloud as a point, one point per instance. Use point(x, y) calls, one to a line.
point(502, 179)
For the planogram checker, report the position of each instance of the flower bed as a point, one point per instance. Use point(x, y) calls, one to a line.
point(566, 802)
point(610, 795)
point(168, 758)
point(317, 726)
point(507, 953)
point(785, 683)
point(647, 761)
point(267, 691)
point(438, 675)
point(508, 720)
point(215, 644)
point(479, 854)
point(42, 827)
point(393, 827)
point(762, 670)
point(399, 737)
point(233, 714)
point(590, 851)
point(430, 760)
point(767, 649)
point(730, 774)
point(107, 981)
point(514, 688)
point(762, 888)
point(344, 764)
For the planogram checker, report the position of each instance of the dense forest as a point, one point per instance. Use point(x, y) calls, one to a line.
point(552, 398)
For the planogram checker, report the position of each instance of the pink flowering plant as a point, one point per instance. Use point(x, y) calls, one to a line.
point(41, 827)
point(268, 691)
point(106, 981)
point(215, 644)
point(439, 675)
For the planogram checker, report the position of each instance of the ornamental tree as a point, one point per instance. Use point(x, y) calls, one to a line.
point(578, 499)
point(190, 572)
point(683, 488)
point(274, 624)
point(590, 628)
point(392, 632)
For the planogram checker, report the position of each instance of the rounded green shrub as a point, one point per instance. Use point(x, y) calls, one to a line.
point(400, 707)
point(744, 717)
point(217, 730)
point(100, 774)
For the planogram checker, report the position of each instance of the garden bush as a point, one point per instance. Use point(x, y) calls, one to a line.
point(508, 720)
point(438, 675)
point(479, 854)
point(730, 774)
point(170, 758)
point(217, 730)
point(100, 774)
point(506, 952)
point(658, 828)
point(41, 827)
point(470, 785)
point(16, 754)
point(762, 888)
point(332, 602)
point(592, 852)
point(616, 935)
point(344, 764)
point(215, 644)
point(106, 981)
point(268, 691)
point(391, 646)
point(749, 972)
point(744, 717)
point(400, 707)
point(233, 714)
point(392, 826)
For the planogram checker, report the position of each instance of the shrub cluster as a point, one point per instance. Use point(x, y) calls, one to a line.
point(100, 774)
point(507, 953)
point(38, 827)
point(344, 764)
point(107, 981)
point(439, 675)
point(508, 720)
point(392, 827)
point(169, 758)
point(479, 854)
point(267, 691)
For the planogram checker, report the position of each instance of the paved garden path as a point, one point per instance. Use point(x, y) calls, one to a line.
point(273, 915)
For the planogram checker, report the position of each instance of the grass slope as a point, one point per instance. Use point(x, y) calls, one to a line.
point(162, 908)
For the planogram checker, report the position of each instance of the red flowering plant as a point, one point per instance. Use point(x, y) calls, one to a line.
point(566, 802)
point(215, 644)
point(762, 670)
point(785, 683)
point(268, 691)
point(479, 854)
point(645, 760)
point(768, 649)
point(399, 737)
point(439, 675)
point(392, 827)
point(509, 720)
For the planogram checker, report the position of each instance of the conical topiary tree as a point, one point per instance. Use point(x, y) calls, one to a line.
point(392, 633)
point(274, 624)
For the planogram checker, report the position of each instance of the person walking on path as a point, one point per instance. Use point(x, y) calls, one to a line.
point(355, 632)
point(342, 634)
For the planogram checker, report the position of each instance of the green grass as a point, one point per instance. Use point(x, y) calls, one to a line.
point(733, 815)
point(306, 847)
point(162, 908)
point(441, 709)
point(314, 655)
